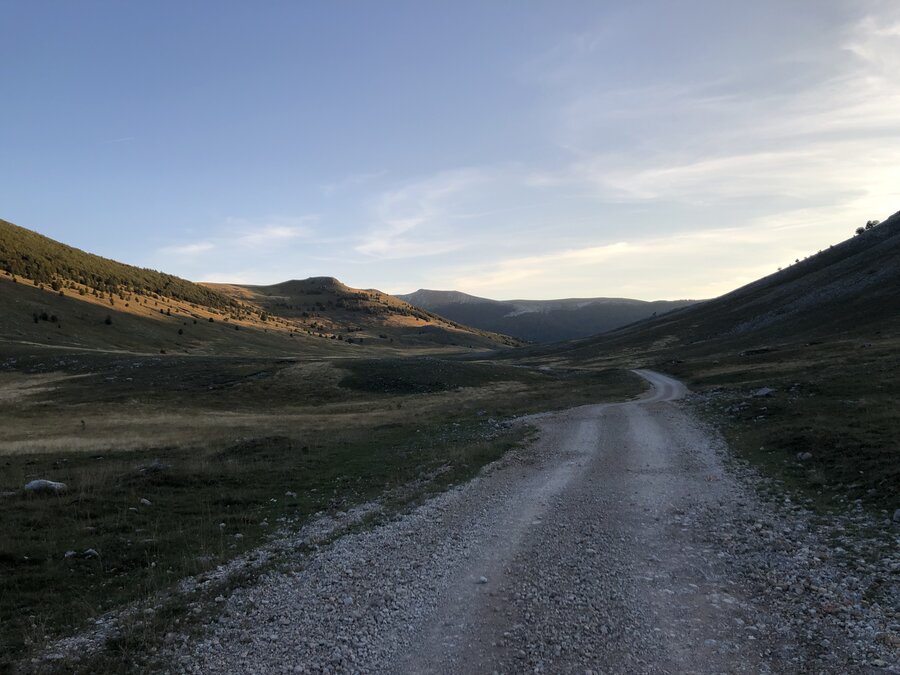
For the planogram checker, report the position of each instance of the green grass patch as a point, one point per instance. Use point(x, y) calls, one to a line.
point(831, 429)
point(203, 509)
point(424, 375)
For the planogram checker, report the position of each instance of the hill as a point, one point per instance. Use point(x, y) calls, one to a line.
point(849, 289)
point(540, 320)
point(324, 305)
point(799, 368)
point(55, 295)
point(49, 263)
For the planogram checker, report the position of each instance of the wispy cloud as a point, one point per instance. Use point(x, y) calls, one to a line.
point(240, 240)
point(803, 138)
point(273, 234)
point(414, 219)
point(241, 233)
point(623, 174)
point(510, 273)
point(350, 182)
point(816, 172)
point(705, 263)
point(193, 249)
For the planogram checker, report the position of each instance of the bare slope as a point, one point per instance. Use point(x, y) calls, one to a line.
point(541, 320)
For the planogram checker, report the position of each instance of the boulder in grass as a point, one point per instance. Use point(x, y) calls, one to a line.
point(42, 486)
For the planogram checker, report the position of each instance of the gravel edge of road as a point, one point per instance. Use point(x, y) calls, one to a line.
point(832, 575)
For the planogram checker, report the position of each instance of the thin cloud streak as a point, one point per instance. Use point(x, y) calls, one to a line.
point(244, 244)
point(351, 182)
point(706, 263)
point(189, 249)
point(428, 204)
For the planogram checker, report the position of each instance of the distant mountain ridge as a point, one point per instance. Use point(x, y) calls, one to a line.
point(540, 320)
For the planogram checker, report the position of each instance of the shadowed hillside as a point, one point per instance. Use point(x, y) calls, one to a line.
point(541, 320)
point(852, 288)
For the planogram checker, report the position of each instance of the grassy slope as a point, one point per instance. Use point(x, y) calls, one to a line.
point(84, 301)
point(825, 333)
point(850, 288)
point(144, 326)
point(150, 311)
point(35, 257)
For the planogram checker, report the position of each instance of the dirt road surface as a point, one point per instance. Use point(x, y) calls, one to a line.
point(619, 541)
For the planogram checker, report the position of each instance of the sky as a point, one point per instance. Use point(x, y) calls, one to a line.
point(504, 148)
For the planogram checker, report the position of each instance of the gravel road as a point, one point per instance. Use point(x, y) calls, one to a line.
point(621, 540)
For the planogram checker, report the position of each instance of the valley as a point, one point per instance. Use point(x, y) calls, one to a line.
point(224, 448)
point(450, 338)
